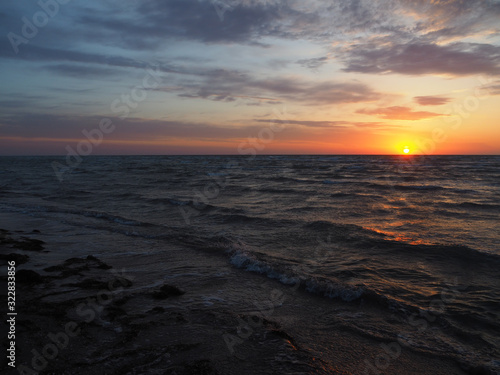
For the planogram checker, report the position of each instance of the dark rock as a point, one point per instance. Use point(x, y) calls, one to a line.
point(74, 266)
point(100, 263)
point(115, 312)
point(178, 317)
point(104, 266)
point(58, 268)
point(124, 282)
point(480, 370)
point(55, 310)
point(4, 239)
point(168, 291)
point(201, 367)
point(286, 336)
point(28, 325)
point(157, 310)
point(18, 258)
point(172, 290)
point(90, 284)
point(121, 301)
point(71, 261)
point(71, 272)
point(29, 244)
point(28, 277)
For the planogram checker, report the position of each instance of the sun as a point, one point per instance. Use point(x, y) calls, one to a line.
point(405, 147)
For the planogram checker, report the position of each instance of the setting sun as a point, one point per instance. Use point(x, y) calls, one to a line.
point(406, 150)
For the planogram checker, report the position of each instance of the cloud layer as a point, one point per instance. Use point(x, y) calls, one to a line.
point(457, 59)
point(398, 113)
point(224, 66)
point(431, 100)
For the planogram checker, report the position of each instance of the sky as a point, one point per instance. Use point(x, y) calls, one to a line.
point(249, 77)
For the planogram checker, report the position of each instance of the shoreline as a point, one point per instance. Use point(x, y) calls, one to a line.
point(129, 321)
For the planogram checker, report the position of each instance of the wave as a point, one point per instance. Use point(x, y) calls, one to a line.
point(468, 256)
point(331, 182)
point(343, 195)
point(171, 201)
point(472, 206)
point(242, 218)
point(346, 230)
point(349, 235)
point(298, 277)
point(301, 277)
point(325, 288)
point(284, 270)
point(198, 205)
point(389, 186)
point(278, 190)
point(405, 187)
point(86, 213)
point(365, 238)
point(286, 179)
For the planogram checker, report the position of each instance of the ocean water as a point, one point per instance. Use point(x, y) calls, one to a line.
point(410, 244)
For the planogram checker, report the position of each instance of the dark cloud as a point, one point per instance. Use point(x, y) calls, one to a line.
point(81, 71)
point(214, 97)
point(492, 88)
point(201, 82)
point(13, 103)
point(318, 93)
point(409, 46)
point(51, 126)
point(419, 37)
point(216, 86)
point(151, 23)
point(310, 124)
point(314, 63)
point(328, 124)
point(431, 100)
point(398, 113)
point(458, 59)
point(39, 54)
point(443, 21)
point(63, 130)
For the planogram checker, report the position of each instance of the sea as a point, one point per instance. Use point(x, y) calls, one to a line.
point(400, 249)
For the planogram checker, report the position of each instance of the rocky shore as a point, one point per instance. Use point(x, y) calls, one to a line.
point(80, 317)
point(90, 301)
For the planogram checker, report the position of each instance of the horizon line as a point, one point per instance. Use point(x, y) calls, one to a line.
point(250, 156)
